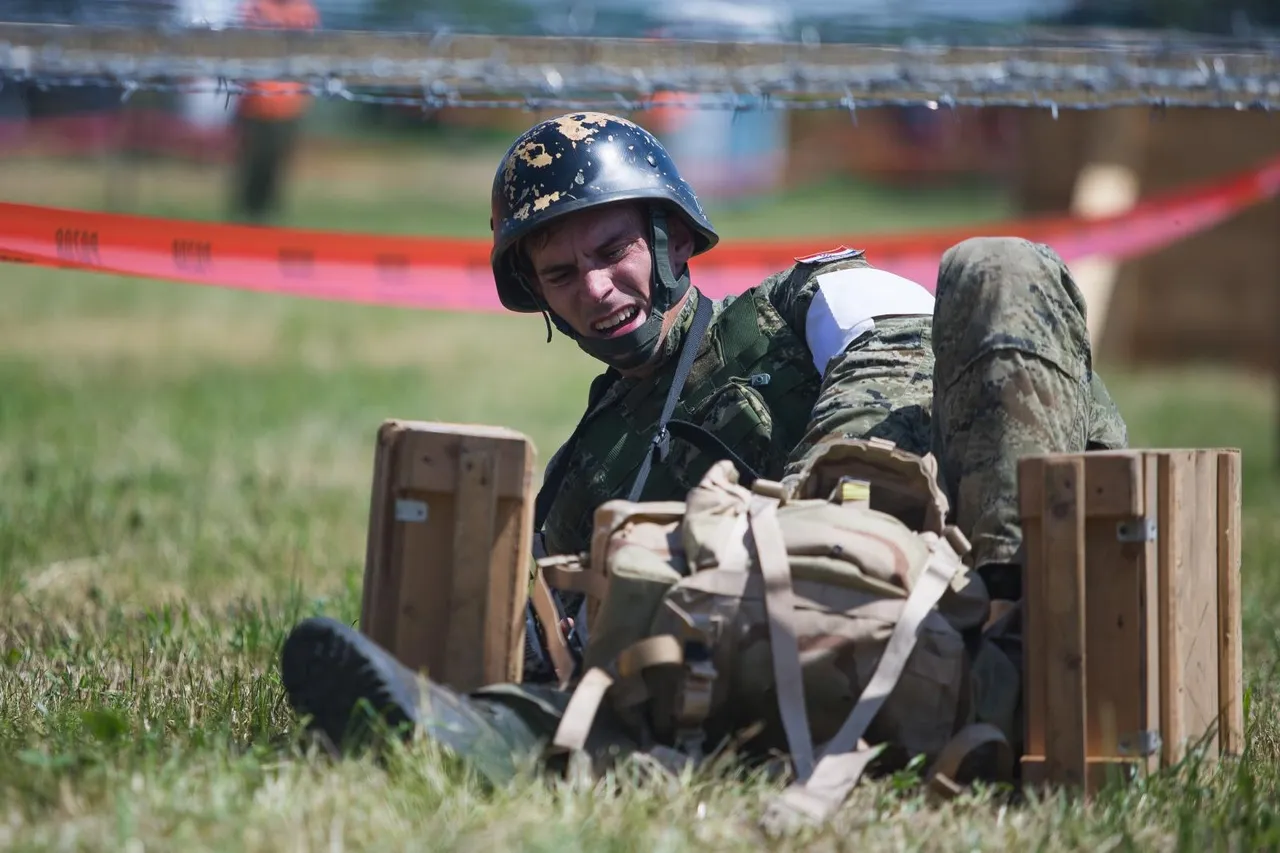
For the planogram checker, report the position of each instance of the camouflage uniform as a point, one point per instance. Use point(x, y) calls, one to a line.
point(1001, 370)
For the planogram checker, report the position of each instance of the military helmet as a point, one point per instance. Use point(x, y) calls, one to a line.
point(572, 162)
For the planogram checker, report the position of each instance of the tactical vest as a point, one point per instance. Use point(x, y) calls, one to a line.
point(753, 385)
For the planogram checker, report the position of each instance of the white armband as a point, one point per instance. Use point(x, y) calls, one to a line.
point(847, 302)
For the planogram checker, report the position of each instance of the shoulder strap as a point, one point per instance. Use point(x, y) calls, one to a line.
point(660, 444)
point(537, 664)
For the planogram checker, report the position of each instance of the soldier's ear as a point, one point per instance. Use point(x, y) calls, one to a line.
point(680, 241)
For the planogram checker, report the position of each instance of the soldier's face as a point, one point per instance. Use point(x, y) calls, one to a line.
point(593, 268)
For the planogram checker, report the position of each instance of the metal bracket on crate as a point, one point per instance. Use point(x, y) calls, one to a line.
point(1137, 530)
point(1143, 744)
point(411, 510)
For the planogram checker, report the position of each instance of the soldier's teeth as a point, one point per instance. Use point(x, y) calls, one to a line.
point(626, 317)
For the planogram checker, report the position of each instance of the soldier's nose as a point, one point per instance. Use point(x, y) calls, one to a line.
point(597, 284)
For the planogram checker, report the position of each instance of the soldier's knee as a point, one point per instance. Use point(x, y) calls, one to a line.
point(1001, 262)
point(982, 248)
point(1007, 292)
point(1007, 270)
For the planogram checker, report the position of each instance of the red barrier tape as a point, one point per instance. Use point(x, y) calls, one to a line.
point(445, 274)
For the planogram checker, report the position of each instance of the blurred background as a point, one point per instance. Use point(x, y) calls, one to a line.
point(393, 169)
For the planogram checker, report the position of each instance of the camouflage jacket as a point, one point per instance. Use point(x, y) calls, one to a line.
point(753, 385)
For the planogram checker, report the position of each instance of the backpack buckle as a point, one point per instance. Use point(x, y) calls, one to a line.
point(660, 444)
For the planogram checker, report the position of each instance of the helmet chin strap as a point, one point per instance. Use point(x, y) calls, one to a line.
point(638, 346)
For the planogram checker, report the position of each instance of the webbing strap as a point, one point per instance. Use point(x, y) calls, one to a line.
point(662, 650)
point(544, 605)
point(929, 588)
point(941, 776)
point(836, 773)
point(788, 678)
point(661, 441)
point(579, 715)
point(659, 445)
point(574, 579)
point(813, 801)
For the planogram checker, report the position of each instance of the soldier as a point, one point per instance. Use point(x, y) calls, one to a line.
point(594, 227)
point(268, 116)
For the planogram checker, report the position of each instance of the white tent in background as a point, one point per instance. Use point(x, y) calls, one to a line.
point(206, 109)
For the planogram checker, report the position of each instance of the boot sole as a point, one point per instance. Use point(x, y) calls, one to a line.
point(328, 668)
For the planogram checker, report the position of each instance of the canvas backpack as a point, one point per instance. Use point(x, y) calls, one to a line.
point(828, 611)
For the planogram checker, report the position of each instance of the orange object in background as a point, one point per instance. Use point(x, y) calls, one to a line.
point(666, 113)
point(273, 100)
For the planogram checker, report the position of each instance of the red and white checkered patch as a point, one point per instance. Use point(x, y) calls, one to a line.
point(824, 257)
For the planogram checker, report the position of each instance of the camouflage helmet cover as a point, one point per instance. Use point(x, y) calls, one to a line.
point(570, 163)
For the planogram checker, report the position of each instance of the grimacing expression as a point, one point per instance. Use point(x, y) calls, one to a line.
point(594, 270)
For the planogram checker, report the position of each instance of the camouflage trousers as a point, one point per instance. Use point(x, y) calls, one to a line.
point(1003, 369)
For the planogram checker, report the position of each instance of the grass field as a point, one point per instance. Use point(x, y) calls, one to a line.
point(185, 474)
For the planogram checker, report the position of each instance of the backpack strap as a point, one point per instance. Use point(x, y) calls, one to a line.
point(623, 683)
point(943, 775)
point(814, 797)
point(542, 601)
point(660, 443)
point(659, 446)
point(788, 676)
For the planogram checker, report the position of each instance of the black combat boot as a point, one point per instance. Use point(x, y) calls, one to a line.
point(328, 668)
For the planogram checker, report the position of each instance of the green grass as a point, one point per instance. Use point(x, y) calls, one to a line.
point(186, 474)
point(442, 187)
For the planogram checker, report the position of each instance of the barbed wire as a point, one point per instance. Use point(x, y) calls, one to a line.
point(439, 70)
point(620, 104)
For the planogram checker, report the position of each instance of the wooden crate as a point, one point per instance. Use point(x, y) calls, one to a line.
point(450, 549)
point(1132, 620)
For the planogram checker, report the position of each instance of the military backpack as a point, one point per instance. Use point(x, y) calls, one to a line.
point(830, 614)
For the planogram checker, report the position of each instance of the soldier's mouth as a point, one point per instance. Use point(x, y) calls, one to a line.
point(619, 322)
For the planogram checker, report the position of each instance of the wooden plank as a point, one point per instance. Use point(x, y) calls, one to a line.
point(511, 566)
point(1176, 481)
point(382, 566)
point(433, 465)
point(1114, 622)
point(1034, 672)
point(1198, 605)
point(1114, 492)
point(1099, 772)
point(424, 602)
point(1230, 662)
point(473, 534)
point(1064, 549)
point(1149, 685)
